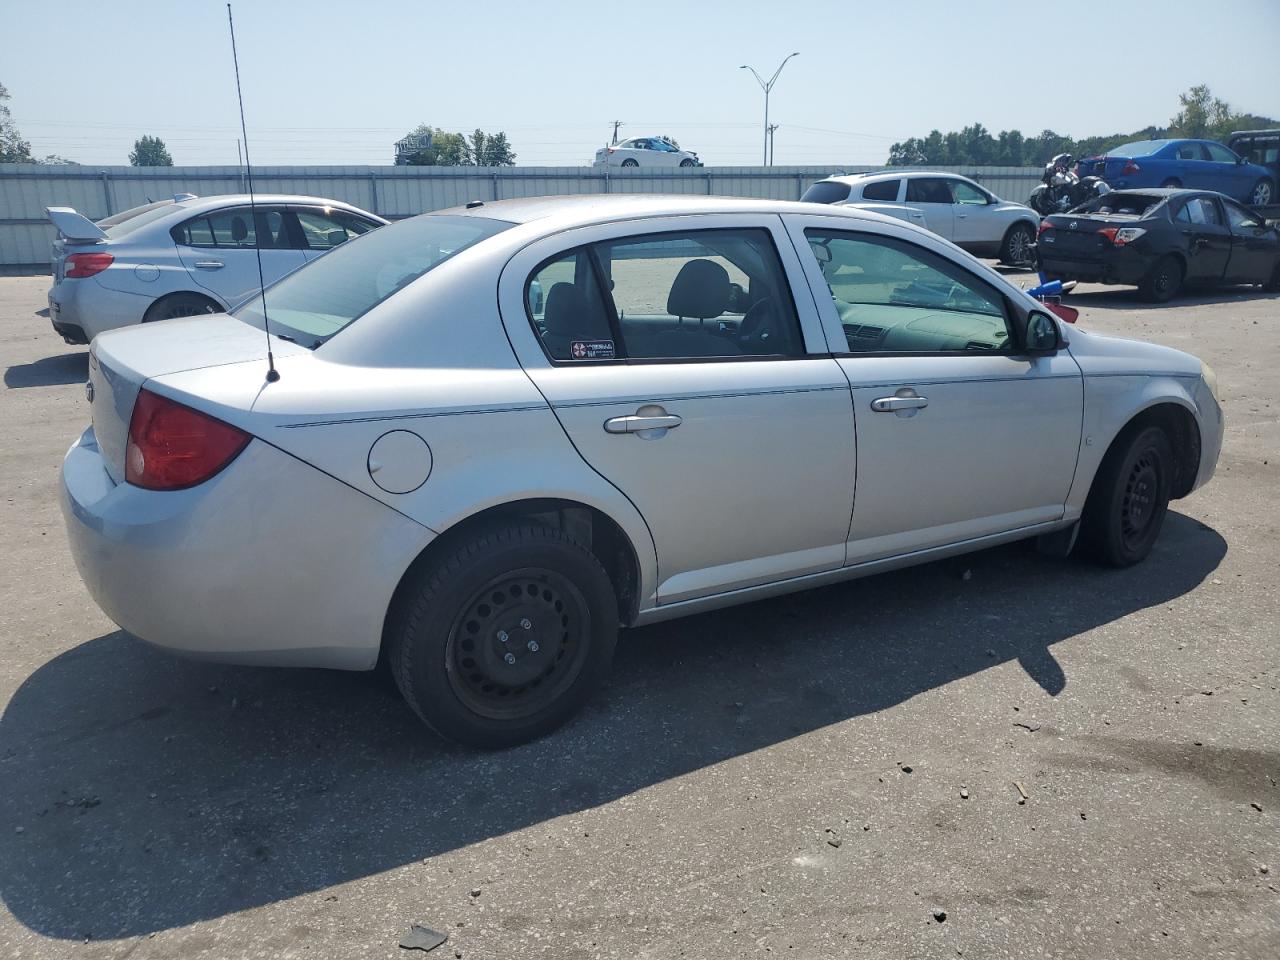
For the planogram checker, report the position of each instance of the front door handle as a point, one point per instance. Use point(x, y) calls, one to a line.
point(643, 422)
point(210, 264)
point(894, 404)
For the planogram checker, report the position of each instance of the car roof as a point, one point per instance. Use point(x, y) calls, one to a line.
point(896, 175)
point(583, 210)
point(213, 202)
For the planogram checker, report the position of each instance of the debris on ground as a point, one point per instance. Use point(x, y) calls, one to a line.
point(834, 842)
point(475, 891)
point(422, 938)
point(1021, 790)
point(1256, 806)
point(1029, 727)
point(964, 793)
point(940, 915)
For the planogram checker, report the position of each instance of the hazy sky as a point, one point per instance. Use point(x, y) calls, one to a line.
point(330, 82)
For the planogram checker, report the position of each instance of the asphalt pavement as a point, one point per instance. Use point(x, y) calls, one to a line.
point(839, 773)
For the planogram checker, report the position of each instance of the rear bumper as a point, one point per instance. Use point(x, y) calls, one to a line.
point(271, 562)
point(87, 307)
point(1119, 266)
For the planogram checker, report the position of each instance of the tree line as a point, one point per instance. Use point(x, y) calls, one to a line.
point(1201, 116)
point(443, 149)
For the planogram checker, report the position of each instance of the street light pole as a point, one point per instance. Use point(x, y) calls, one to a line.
point(766, 87)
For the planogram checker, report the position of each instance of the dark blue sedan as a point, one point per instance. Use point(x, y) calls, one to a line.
point(1196, 164)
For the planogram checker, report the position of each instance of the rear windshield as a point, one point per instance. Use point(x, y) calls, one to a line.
point(310, 305)
point(826, 191)
point(1139, 148)
point(126, 225)
point(1121, 203)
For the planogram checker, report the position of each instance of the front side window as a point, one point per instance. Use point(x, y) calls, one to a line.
point(967, 193)
point(895, 297)
point(1219, 153)
point(928, 190)
point(313, 303)
point(699, 294)
point(1240, 219)
point(1203, 210)
point(324, 229)
point(881, 190)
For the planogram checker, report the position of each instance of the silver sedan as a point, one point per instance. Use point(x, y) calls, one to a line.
point(184, 256)
point(500, 433)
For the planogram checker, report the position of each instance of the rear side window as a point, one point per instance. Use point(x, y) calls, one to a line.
point(928, 190)
point(827, 191)
point(881, 190)
point(1190, 151)
point(678, 296)
point(895, 297)
point(312, 304)
point(1203, 210)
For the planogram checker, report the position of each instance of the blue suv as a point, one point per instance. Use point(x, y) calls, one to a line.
point(1198, 164)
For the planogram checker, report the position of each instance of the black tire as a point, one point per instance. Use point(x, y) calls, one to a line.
point(1273, 285)
point(1129, 498)
point(1263, 193)
point(1017, 244)
point(180, 305)
point(1173, 183)
point(504, 639)
point(1163, 280)
point(631, 162)
point(686, 162)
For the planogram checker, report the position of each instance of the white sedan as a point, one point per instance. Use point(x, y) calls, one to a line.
point(184, 256)
point(646, 152)
point(714, 401)
point(952, 206)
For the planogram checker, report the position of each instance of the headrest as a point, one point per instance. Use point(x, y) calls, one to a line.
point(239, 229)
point(701, 290)
point(566, 312)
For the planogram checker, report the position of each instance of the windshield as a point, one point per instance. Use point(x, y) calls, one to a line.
point(310, 305)
point(1139, 148)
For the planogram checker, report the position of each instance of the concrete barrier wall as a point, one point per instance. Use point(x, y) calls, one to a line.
point(392, 192)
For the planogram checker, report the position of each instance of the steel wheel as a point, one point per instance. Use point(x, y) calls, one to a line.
point(1138, 505)
point(1262, 193)
point(1163, 280)
point(517, 645)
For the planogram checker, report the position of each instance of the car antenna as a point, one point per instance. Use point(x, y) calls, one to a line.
point(272, 373)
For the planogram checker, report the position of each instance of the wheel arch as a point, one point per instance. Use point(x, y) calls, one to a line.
point(1178, 420)
point(601, 533)
point(202, 294)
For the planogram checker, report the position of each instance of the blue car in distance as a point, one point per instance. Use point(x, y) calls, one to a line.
point(1194, 164)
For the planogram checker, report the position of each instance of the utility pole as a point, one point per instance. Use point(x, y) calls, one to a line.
point(766, 87)
point(616, 125)
point(772, 127)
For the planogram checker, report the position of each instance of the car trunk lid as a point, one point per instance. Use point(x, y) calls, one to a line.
point(122, 361)
point(1079, 236)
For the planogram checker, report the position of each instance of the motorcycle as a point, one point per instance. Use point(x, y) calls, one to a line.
point(1061, 189)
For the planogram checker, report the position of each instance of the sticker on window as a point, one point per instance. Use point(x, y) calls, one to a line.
point(591, 350)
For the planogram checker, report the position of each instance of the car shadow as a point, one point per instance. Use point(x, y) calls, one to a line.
point(142, 793)
point(50, 371)
point(1128, 298)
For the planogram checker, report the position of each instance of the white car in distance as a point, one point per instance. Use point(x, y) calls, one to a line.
point(952, 206)
point(184, 256)
point(646, 152)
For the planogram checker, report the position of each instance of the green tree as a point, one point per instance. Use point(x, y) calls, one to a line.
point(457, 150)
point(491, 150)
point(13, 149)
point(150, 152)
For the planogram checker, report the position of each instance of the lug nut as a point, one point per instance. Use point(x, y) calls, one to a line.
point(502, 636)
point(525, 624)
point(510, 658)
point(533, 646)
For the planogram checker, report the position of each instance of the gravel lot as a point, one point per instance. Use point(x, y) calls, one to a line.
point(808, 777)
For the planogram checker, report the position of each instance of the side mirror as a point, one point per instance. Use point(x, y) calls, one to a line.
point(1042, 335)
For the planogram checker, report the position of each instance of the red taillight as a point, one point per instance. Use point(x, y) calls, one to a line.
point(172, 446)
point(87, 264)
point(1109, 233)
point(1044, 225)
point(1130, 167)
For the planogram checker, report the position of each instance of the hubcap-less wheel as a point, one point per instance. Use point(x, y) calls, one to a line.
point(1262, 193)
point(630, 162)
point(518, 644)
point(1138, 506)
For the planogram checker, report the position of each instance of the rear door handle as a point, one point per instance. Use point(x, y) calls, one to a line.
point(639, 422)
point(894, 404)
point(210, 264)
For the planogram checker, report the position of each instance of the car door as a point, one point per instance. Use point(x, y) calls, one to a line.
point(1255, 247)
point(1208, 241)
point(961, 435)
point(1194, 168)
point(1231, 175)
point(932, 197)
point(220, 250)
point(975, 222)
point(684, 371)
point(323, 228)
